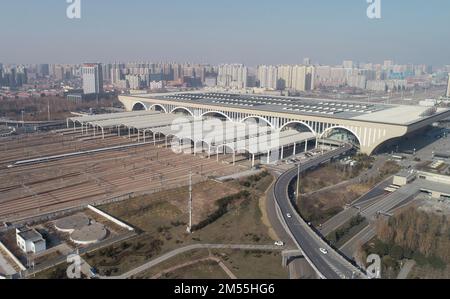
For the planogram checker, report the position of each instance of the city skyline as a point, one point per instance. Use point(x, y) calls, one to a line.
point(267, 33)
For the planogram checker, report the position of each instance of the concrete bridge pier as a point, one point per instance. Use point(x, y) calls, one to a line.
point(289, 255)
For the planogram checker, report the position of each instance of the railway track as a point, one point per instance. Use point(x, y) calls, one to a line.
point(82, 180)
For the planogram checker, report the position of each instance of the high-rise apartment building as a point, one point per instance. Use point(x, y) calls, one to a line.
point(267, 75)
point(92, 78)
point(348, 64)
point(302, 78)
point(44, 70)
point(285, 77)
point(1, 74)
point(116, 74)
point(232, 76)
point(448, 86)
point(59, 72)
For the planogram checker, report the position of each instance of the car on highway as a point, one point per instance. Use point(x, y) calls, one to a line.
point(279, 243)
point(323, 250)
point(288, 215)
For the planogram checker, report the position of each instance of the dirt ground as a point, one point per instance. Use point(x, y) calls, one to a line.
point(323, 177)
point(243, 264)
point(318, 208)
point(201, 270)
point(55, 185)
point(163, 225)
point(204, 197)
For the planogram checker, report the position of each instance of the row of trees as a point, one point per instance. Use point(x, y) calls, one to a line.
point(418, 231)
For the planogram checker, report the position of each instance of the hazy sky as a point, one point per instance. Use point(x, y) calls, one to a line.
point(244, 31)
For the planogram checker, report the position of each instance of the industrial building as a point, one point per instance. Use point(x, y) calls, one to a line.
point(30, 240)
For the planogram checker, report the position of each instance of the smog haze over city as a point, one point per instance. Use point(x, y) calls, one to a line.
point(251, 32)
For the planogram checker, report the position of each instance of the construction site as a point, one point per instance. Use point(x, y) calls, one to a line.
point(86, 169)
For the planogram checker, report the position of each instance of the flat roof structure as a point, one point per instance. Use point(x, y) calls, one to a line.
point(89, 234)
point(436, 187)
point(391, 114)
point(218, 134)
point(99, 117)
point(29, 234)
point(372, 124)
point(72, 223)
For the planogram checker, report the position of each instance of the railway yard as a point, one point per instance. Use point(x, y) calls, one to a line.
point(39, 188)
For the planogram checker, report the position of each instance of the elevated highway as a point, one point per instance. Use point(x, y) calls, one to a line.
point(331, 265)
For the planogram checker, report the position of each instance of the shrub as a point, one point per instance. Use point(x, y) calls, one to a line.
point(436, 263)
point(420, 259)
point(396, 252)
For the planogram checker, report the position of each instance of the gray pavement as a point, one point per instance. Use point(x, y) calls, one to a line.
point(406, 269)
point(299, 268)
point(364, 236)
point(391, 201)
point(330, 265)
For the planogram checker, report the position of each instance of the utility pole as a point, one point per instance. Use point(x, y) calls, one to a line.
point(189, 228)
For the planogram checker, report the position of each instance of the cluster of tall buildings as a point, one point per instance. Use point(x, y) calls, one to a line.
point(374, 77)
point(286, 77)
point(156, 75)
point(233, 76)
point(13, 77)
point(159, 76)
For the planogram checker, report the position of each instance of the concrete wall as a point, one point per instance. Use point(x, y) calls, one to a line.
point(434, 177)
point(12, 256)
point(110, 218)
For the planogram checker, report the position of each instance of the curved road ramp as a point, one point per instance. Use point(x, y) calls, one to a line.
point(326, 261)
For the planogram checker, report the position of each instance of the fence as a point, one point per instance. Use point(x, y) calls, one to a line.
point(12, 256)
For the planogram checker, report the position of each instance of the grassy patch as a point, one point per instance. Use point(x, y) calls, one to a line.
point(201, 270)
point(332, 174)
point(163, 227)
point(254, 264)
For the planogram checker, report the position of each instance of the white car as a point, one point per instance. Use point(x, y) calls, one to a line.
point(289, 215)
point(279, 243)
point(323, 250)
